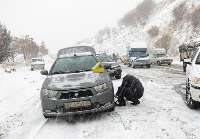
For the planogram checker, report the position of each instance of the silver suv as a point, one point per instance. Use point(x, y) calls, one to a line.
point(73, 87)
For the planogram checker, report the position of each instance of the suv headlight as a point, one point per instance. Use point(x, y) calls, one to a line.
point(101, 88)
point(196, 81)
point(49, 93)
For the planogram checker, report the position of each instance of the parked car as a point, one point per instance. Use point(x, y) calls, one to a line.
point(76, 84)
point(37, 64)
point(114, 69)
point(160, 59)
point(193, 80)
point(138, 57)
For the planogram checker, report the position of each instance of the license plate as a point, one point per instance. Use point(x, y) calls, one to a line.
point(77, 104)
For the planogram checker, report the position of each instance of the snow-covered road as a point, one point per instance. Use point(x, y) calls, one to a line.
point(161, 114)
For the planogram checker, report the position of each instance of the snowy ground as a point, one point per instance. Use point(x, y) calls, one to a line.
point(161, 114)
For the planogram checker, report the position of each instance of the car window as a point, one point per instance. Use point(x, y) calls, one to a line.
point(194, 54)
point(198, 59)
point(161, 55)
point(73, 64)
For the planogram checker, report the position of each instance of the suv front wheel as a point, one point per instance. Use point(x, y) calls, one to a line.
point(188, 97)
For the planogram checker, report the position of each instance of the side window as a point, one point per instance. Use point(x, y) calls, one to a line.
point(194, 54)
point(198, 59)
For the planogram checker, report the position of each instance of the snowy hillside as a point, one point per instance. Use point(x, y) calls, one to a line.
point(178, 20)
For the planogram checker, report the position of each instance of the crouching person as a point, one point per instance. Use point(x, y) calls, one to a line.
point(131, 89)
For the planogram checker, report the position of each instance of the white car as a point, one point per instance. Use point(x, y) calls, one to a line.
point(37, 64)
point(193, 80)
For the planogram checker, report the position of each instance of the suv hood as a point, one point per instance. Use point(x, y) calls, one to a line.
point(75, 80)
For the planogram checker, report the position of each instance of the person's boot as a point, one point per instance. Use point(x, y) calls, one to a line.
point(135, 102)
point(120, 102)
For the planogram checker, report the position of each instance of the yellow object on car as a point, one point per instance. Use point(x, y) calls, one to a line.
point(98, 68)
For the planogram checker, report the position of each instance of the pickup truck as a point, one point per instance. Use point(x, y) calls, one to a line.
point(159, 57)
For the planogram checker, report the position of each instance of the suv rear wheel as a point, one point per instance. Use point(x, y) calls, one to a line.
point(188, 97)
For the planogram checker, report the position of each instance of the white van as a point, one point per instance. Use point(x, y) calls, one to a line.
point(193, 80)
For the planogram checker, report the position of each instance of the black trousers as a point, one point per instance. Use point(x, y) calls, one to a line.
point(130, 93)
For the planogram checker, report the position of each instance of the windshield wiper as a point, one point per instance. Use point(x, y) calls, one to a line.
point(60, 72)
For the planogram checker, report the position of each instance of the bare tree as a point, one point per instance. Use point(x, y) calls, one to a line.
point(164, 42)
point(42, 48)
point(153, 31)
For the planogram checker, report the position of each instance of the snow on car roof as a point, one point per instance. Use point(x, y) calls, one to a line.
point(76, 49)
point(75, 54)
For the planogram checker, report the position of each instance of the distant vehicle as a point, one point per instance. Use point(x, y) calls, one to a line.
point(114, 67)
point(193, 80)
point(76, 49)
point(138, 57)
point(186, 51)
point(159, 57)
point(37, 64)
point(76, 84)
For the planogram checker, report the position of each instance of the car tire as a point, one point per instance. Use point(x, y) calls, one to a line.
point(188, 98)
point(111, 109)
point(158, 63)
point(118, 76)
point(32, 69)
point(132, 65)
point(148, 66)
point(184, 67)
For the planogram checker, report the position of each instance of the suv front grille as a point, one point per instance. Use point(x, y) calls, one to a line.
point(75, 94)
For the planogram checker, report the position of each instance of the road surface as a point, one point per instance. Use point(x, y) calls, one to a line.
point(161, 114)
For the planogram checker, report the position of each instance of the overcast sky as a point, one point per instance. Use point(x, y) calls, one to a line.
point(60, 23)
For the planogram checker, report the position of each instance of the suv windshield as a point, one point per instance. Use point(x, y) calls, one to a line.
point(37, 60)
point(161, 55)
point(137, 54)
point(105, 58)
point(73, 64)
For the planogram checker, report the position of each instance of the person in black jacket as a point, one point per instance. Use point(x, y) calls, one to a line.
point(131, 89)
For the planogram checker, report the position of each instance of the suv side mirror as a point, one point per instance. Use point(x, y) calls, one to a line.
point(44, 72)
point(187, 61)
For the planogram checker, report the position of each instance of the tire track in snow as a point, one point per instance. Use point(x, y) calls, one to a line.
point(37, 130)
